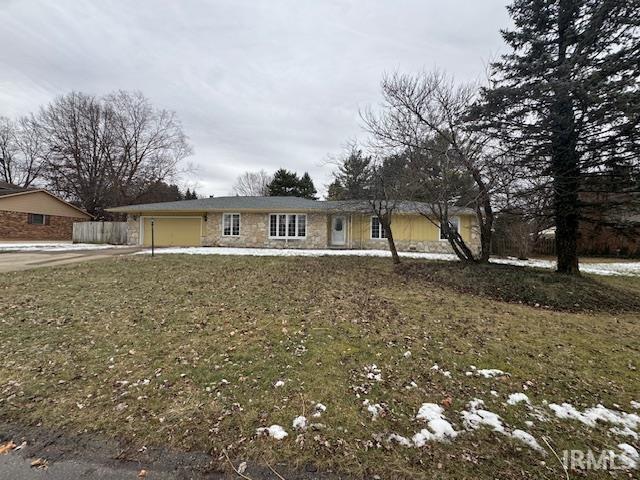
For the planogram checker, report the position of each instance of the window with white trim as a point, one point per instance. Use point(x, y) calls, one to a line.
point(283, 225)
point(455, 225)
point(230, 224)
point(377, 230)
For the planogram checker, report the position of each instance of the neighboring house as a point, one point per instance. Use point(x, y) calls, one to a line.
point(35, 214)
point(287, 222)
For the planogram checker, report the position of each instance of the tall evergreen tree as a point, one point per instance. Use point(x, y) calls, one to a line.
point(566, 99)
point(354, 175)
point(307, 188)
point(284, 184)
point(336, 191)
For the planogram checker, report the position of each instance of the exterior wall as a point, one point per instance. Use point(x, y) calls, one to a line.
point(412, 233)
point(133, 230)
point(40, 202)
point(254, 232)
point(15, 226)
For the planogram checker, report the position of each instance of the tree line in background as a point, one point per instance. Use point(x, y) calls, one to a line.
point(96, 152)
point(283, 183)
point(552, 140)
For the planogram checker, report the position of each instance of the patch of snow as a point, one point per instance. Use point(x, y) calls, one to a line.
point(399, 439)
point(279, 384)
point(438, 427)
point(629, 457)
point(300, 423)
point(490, 372)
point(373, 372)
point(493, 393)
point(624, 432)
point(635, 405)
point(598, 413)
point(274, 431)
point(54, 247)
point(528, 439)
point(516, 398)
point(475, 404)
point(407, 354)
point(375, 409)
point(528, 423)
point(435, 367)
point(627, 268)
point(319, 409)
point(476, 417)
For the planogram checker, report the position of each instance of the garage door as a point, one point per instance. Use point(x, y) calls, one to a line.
point(173, 232)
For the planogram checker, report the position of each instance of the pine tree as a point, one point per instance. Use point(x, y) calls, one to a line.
point(307, 188)
point(336, 191)
point(566, 98)
point(284, 184)
point(354, 175)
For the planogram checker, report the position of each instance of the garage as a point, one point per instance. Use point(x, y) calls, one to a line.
point(173, 231)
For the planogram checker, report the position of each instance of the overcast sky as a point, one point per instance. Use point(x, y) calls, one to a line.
point(258, 84)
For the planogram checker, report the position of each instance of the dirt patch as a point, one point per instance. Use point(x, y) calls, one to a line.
point(92, 452)
point(528, 286)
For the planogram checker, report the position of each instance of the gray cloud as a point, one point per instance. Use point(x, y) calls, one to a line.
point(257, 84)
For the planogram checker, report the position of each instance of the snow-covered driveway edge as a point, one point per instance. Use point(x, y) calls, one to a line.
point(54, 247)
point(610, 269)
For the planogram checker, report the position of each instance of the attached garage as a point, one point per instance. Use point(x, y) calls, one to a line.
point(173, 231)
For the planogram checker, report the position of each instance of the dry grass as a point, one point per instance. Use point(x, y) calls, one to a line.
point(212, 335)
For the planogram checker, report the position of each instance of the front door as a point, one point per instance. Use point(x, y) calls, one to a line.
point(338, 230)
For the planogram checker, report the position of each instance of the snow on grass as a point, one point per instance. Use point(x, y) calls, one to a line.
point(278, 384)
point(629, 458)
point(319, 409)
point(516, 398)
point(399, 439)
point(528, 439)
point(438, 427)
point(54, 247)
point(375, 409)
point(486, 372)
point(274, 431)
point(621, 268)
point(624, 432)
point(373, 372)
point(635, 405)
point(300, 423)
point(475, 418)
point(598, 413)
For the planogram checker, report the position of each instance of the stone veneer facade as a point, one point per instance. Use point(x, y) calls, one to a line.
point(254, 232)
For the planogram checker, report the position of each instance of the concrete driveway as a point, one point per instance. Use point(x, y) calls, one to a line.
point(27, 260)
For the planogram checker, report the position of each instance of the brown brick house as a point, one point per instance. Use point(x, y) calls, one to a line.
point(35, 214)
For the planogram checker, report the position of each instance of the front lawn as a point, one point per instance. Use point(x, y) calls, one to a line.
point(200, 352)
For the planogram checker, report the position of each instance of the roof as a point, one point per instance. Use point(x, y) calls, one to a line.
point(269, 204)
point(9, 189)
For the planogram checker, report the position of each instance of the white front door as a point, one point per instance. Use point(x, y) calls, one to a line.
point(338, 230)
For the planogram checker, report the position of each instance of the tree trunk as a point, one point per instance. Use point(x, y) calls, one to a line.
point(564, 155)
point(392, 244)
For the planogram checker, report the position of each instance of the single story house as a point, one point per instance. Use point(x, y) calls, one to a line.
point(35, 214)
point(287, 222)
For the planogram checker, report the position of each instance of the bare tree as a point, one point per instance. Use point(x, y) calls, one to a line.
point(420, 111)
point(252, 184)
point(22, 152)
point(107, 151)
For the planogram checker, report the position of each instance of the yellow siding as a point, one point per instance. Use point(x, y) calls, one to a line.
point(173, 231)
point(407, 228)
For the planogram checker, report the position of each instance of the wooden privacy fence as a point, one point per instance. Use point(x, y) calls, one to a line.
point(114, 233)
